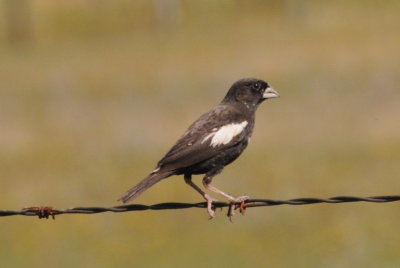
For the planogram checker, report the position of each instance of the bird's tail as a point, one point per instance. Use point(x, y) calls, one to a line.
point(142, 186)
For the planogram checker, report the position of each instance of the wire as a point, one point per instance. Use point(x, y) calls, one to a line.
point(48, 211)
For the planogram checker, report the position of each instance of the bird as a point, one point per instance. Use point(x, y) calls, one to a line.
point(212, 142)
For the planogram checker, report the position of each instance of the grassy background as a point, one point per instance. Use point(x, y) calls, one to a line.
point(93, 93)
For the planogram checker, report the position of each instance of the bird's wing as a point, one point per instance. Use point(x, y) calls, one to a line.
point(214, 131)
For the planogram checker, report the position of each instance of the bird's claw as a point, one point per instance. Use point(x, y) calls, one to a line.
point(240, 199)
point(237, 203)
point(242, 207)
point(234, 203)
point(210, 207)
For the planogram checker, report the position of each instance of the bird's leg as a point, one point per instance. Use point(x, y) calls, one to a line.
point(207, 184)
point(209, 199)
point(233, 200)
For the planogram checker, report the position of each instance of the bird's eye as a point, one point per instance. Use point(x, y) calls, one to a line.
point(257, 86)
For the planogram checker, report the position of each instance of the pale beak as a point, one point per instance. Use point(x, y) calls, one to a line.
point(270, 93)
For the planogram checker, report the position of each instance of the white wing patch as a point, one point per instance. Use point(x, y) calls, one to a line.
point(225, 134)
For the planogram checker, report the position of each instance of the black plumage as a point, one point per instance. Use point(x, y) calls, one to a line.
point(213, 141)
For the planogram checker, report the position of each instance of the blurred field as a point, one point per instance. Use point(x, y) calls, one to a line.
point(93, 93)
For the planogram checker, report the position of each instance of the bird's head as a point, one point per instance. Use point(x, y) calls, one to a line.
point(250, 92)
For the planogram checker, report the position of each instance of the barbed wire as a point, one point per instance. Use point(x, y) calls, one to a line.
point(45, 212)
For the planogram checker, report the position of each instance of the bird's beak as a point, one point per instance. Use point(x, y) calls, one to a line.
point(270, 93)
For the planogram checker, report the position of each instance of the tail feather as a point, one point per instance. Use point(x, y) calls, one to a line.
point(142, 186)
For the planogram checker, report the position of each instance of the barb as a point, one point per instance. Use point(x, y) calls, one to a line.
point(48, 211)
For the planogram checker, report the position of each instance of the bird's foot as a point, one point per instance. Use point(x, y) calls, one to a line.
point(210, 208)
point(240, 199)
point(237, 203)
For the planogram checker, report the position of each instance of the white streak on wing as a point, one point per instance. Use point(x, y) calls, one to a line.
point(207, 137)
point(225, 134)
point(156, 170)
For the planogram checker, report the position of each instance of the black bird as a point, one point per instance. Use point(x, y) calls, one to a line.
point(213, 141)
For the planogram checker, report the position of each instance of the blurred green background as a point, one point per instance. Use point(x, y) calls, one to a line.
point(93, 93)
